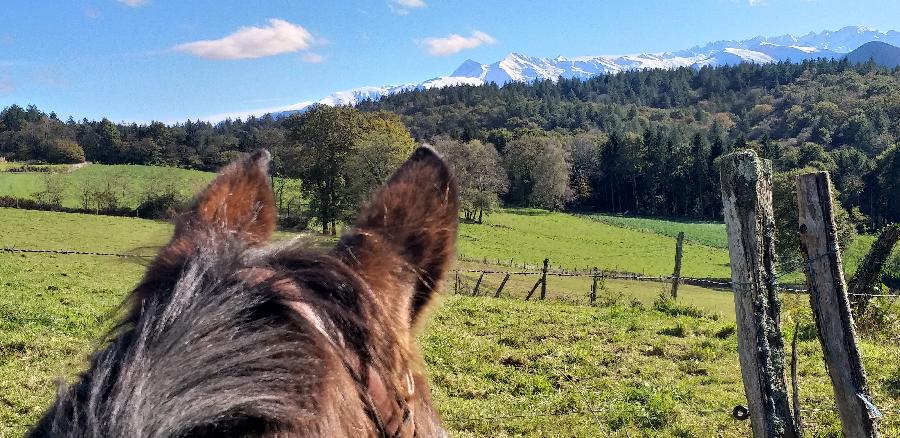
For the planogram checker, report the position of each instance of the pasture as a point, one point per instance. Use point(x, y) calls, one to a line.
point(632, 244)
point(702, 233)
point(616, 243)
point(130, 182)
point(530, 235)
point(499, 367)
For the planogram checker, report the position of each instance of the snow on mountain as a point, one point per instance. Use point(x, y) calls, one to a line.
point(517, 67)
point(357, 95)
point(827, 44)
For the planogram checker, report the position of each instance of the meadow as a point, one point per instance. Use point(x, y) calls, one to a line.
point(521, 235)
point(631, 365)
point(699, 232)
point(530, 235)
point(130, 181)
point(638, 245)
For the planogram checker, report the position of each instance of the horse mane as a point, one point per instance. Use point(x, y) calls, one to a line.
point(191, 364)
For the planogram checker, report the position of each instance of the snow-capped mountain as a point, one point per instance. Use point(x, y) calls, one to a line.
point(518, 67)
point(356, 95)
point(827, 44)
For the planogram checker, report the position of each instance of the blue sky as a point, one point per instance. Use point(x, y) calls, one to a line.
point(142, 60)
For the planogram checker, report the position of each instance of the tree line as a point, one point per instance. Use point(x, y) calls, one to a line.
point(639, 142)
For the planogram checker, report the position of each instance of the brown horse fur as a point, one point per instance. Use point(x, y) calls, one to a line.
point(226, 336)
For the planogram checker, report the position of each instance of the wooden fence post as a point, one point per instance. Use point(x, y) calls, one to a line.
point(868, 274)
point(746, 182)
point(831, 308)
point(544, 279)
point(594, 287)
point(478, 285)
point(534, 288)
point(676, 274)
point(502, 283)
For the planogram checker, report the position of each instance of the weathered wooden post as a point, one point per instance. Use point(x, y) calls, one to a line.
point(868, 274)
point(676, 274)
point(502, 283)
point(746, 182)
point(544, 278)
point(478, 284)
point(534, 288)
point(831, 308)
point(594, 287)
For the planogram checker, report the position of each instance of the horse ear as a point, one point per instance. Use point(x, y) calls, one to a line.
point(239, 202)
point(404, 240)
point(237, 205)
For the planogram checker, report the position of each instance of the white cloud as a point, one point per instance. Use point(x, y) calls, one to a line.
point(277, 38)
point(454, 43)
point(312, 58)
point(402, 7)
point(6, 85)
point(756, 2)
point(133, 3)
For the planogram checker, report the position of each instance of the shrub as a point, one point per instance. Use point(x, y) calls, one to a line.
point(679, 331)
point(664, 303)
point(63, 151)
point(298, 220)
point(160, 205)
point(725, 332)
point(881, 320)
point(53, 191)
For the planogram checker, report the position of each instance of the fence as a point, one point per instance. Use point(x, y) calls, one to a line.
point(493, 282)
point(755, 286)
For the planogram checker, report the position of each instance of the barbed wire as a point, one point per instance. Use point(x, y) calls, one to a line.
point(610, 274)
point(13, 249)
point(662, 278)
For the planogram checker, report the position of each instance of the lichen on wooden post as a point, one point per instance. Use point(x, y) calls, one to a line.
point(831, 307)
point(746, 182)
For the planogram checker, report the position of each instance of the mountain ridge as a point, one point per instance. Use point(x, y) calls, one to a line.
point(518, 67)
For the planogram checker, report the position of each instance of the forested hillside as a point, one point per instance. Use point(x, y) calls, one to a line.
point(645, 141)
point(641, 142)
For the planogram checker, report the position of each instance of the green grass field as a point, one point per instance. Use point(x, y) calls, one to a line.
point(130, 181)
point(613, 243)
point(529, 236)
point(702, 233)
point(499, 367)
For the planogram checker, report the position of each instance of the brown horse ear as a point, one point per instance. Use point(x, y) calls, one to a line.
point(239, 202)
point(404, 240)
point(237, 206)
